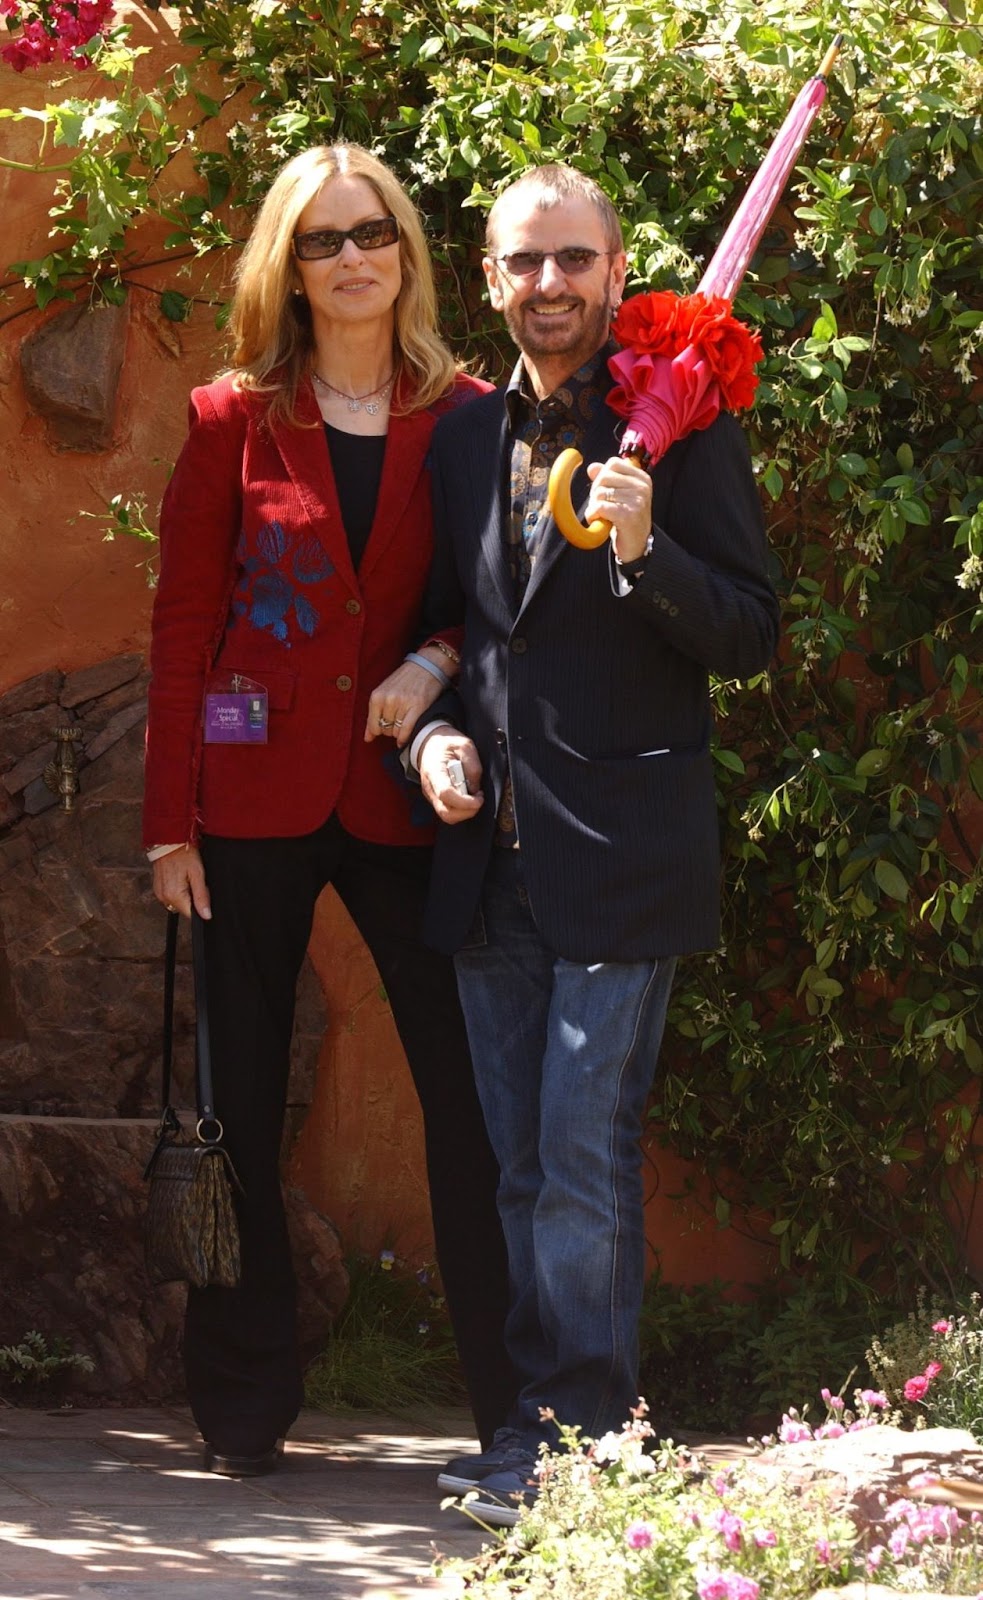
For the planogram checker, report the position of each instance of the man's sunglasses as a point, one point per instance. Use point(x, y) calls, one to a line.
point(323, 242)
point(529, 263)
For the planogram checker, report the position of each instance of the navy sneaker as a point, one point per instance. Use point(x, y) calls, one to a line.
point(466, 1472)
point(502, 1495)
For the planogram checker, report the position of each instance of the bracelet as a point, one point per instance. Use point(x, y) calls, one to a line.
point(642, 556)
point(445, 650)
point(428, 666)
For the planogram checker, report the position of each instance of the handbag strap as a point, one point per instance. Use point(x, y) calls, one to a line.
point(203, 1053)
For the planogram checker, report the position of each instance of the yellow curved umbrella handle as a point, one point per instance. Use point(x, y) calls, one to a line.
point(561, 505)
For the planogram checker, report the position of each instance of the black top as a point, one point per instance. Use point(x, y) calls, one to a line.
point(356, 461)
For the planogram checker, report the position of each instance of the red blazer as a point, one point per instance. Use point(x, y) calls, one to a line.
point(256, 577)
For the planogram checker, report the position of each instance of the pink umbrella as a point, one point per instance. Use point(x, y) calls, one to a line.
point(684, 357)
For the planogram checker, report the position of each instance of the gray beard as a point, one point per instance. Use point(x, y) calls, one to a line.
point(590, 337)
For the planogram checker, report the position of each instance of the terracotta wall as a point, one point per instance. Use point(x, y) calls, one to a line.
point(69, 600)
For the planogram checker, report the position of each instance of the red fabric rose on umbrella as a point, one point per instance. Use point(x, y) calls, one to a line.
point(685, 359)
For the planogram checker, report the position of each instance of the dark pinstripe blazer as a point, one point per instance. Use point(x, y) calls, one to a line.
point(599, 704)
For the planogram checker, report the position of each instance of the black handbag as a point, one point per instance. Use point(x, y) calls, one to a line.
point(191, 1233)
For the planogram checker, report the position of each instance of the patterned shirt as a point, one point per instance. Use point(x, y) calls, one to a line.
point(539, 430)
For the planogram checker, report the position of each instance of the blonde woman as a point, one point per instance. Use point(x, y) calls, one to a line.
point(295, 544)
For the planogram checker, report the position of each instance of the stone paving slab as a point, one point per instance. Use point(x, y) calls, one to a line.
point(112, 1505)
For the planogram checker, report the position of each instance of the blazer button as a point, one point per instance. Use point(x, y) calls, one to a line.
point(352, 607)
point(519, 647)
point(500, 736)
point(344, 682)
point(674, 611)
point(663, 604)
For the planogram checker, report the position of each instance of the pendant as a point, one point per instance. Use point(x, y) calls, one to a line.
point(353, 404)
point(372, 407)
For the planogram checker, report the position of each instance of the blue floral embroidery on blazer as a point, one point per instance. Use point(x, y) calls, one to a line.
point(269, 594)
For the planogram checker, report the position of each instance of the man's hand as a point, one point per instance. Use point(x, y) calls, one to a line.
point(445, 744)
point(621, 493)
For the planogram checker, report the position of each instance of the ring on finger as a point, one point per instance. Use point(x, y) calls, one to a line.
point(169, 907)
point(384, 723)
point(398, 722)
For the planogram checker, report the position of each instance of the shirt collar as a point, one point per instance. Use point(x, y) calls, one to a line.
point(589, 380)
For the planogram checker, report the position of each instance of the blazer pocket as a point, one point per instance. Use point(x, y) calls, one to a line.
point(279, 682)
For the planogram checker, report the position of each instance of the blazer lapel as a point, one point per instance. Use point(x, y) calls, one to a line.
point(407, 444)
point(304, 451)
point(484, 465)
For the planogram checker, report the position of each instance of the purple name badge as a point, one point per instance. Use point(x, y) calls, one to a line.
point(232, 718)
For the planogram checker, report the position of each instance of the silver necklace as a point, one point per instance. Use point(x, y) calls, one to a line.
point(358, 402)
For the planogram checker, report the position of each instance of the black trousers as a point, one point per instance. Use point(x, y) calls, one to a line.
point(240, 1348)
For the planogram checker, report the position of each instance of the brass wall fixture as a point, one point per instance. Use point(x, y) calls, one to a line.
point(62, 774)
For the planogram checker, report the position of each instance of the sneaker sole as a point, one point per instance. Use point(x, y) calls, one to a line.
point(491, 1515)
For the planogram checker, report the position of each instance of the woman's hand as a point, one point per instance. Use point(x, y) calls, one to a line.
point(179, 878)
point(399, 702)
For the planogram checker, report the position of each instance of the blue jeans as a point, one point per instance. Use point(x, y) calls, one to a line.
point(564, 1057)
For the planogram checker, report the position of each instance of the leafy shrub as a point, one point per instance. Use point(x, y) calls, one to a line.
point(35, 1365)
point(715, 1364)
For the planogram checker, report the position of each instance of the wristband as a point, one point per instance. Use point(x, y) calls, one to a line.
point(428, 666)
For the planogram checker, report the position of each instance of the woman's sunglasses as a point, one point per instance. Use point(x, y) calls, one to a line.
point(323, 242)
point(528, 263)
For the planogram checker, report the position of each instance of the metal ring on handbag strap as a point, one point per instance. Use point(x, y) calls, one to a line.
point(209, 1138)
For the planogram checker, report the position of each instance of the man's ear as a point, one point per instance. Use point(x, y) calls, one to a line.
point(619, 275)
point(491, 277)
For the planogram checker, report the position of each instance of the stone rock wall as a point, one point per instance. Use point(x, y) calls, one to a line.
point(81, 950)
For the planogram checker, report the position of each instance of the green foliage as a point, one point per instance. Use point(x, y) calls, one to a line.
point(125, 516)
point(715, 1364)
point(826, 1065)
point(35, 1365)
point(392, 1348)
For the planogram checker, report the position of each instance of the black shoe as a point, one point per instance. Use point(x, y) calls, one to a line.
point(242, 1466)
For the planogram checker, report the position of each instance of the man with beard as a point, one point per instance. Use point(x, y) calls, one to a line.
point(583, 860)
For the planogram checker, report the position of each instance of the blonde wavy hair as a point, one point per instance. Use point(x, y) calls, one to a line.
point(272, 337)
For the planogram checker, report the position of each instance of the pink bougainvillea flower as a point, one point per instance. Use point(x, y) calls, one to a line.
point(730, 1528)
point(916, 1388)
point(830, 1430)
point(834, 1401)
point(765, 1538)
point(793, 1431)
point(874, 1397)
point(942, 1326)
point(899, 1541)
point(824, 1551)
point(932, 1370)
point(712, 1584)
point(638, 1536)
point(875, 1556)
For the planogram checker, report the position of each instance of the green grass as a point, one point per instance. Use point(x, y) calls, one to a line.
point(392, 1348)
